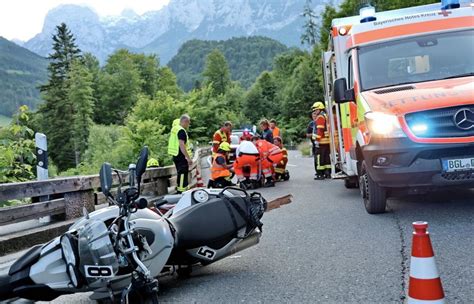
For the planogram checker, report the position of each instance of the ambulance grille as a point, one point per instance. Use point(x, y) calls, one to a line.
point(459, 176)
point(395, 89)
point(440, 123)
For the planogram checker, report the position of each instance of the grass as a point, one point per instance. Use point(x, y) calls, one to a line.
point(4, 121)
point(15, 203)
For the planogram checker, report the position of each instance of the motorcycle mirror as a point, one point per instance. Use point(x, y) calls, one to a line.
point(142, 203)
point(106, 178)
point(141, 164)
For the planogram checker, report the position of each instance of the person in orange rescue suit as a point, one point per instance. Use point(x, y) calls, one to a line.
point(274, 127)
point(221, 135)
point(280, 167)
point(319, 135)
point(245, 136)
point(247, 164)
point(221, 170)
point(269, 155)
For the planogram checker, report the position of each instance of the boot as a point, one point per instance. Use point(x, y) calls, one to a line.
point(319, 175)
point(269, 183)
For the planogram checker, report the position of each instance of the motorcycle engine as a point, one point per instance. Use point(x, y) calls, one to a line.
point(96, 252)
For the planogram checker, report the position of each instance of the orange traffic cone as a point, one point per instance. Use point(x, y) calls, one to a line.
point(200, 182)
point(425, 283)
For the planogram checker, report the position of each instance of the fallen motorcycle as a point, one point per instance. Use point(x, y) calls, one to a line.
point(119, 252)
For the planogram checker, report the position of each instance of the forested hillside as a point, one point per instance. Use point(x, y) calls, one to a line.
point(21, 71)
point(247, 58)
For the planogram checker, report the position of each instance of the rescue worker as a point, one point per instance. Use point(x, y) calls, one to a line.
point(245, 136)
point(178, 147)
point(221, 174)
point(274, 128)
point(221, 135)
point(269, 155)
point(152, 163)
point(266, 132)
point(318, 133)
point(246, 165)
point(280, 167)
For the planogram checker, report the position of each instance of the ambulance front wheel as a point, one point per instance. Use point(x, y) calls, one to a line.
point(374, 196)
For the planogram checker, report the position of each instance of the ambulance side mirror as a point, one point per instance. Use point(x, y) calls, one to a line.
point(341, 93)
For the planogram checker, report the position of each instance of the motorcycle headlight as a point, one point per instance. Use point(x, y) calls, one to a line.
point(73, 275)
point(70, 254)
point(69, 249)
point(384, 125)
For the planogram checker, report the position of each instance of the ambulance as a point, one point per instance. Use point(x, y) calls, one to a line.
point(399, 92)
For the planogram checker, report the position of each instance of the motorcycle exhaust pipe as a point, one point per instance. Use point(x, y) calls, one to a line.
point(252, 240)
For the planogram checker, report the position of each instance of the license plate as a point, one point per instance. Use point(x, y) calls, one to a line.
point(460, 164)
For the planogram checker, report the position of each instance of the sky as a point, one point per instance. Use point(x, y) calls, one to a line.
point(23, 19)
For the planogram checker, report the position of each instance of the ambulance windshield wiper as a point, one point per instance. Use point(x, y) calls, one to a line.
point(460, 75)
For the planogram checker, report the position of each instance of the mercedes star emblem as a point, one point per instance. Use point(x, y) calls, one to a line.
point(464, 119)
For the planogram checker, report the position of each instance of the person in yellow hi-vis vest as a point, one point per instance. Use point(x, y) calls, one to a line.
point(178, 147)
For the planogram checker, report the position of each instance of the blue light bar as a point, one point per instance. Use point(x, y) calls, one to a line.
point(367, 14)
point(449, 4)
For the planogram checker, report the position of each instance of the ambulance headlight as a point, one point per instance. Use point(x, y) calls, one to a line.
point(384, 125)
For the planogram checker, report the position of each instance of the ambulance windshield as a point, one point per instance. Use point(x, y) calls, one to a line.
point(417, 59)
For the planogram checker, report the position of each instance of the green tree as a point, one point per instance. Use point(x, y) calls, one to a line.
point(148, 68)
point(310, 27)
point(65, 52)
point(17, 149)
point(260, 100)
point(167, 82)
point(93, 66)
point(56, 111)
point(81, 102)
point(119, 86)
point(217, 72)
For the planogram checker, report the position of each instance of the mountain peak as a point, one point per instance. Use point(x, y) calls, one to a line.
point(129, 13)
point(165, 30)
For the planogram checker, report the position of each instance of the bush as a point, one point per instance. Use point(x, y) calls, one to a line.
point(305, 148)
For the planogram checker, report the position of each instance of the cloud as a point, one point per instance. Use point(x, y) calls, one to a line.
point(22, 19)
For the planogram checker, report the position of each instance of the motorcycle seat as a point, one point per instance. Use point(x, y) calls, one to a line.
point(210, 222)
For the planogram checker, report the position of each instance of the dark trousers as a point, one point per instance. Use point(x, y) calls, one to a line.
point(322, 159)
point(221, 182)
point(182, 169)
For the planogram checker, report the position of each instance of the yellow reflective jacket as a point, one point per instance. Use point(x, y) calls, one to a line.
point(173, 143)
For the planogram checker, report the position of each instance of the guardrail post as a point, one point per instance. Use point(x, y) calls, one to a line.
point(42, 166)
point(75, 201)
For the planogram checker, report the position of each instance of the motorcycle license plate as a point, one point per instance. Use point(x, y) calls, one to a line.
point(459, 164)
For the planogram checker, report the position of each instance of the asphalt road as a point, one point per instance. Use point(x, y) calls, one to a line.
point(325, 248)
